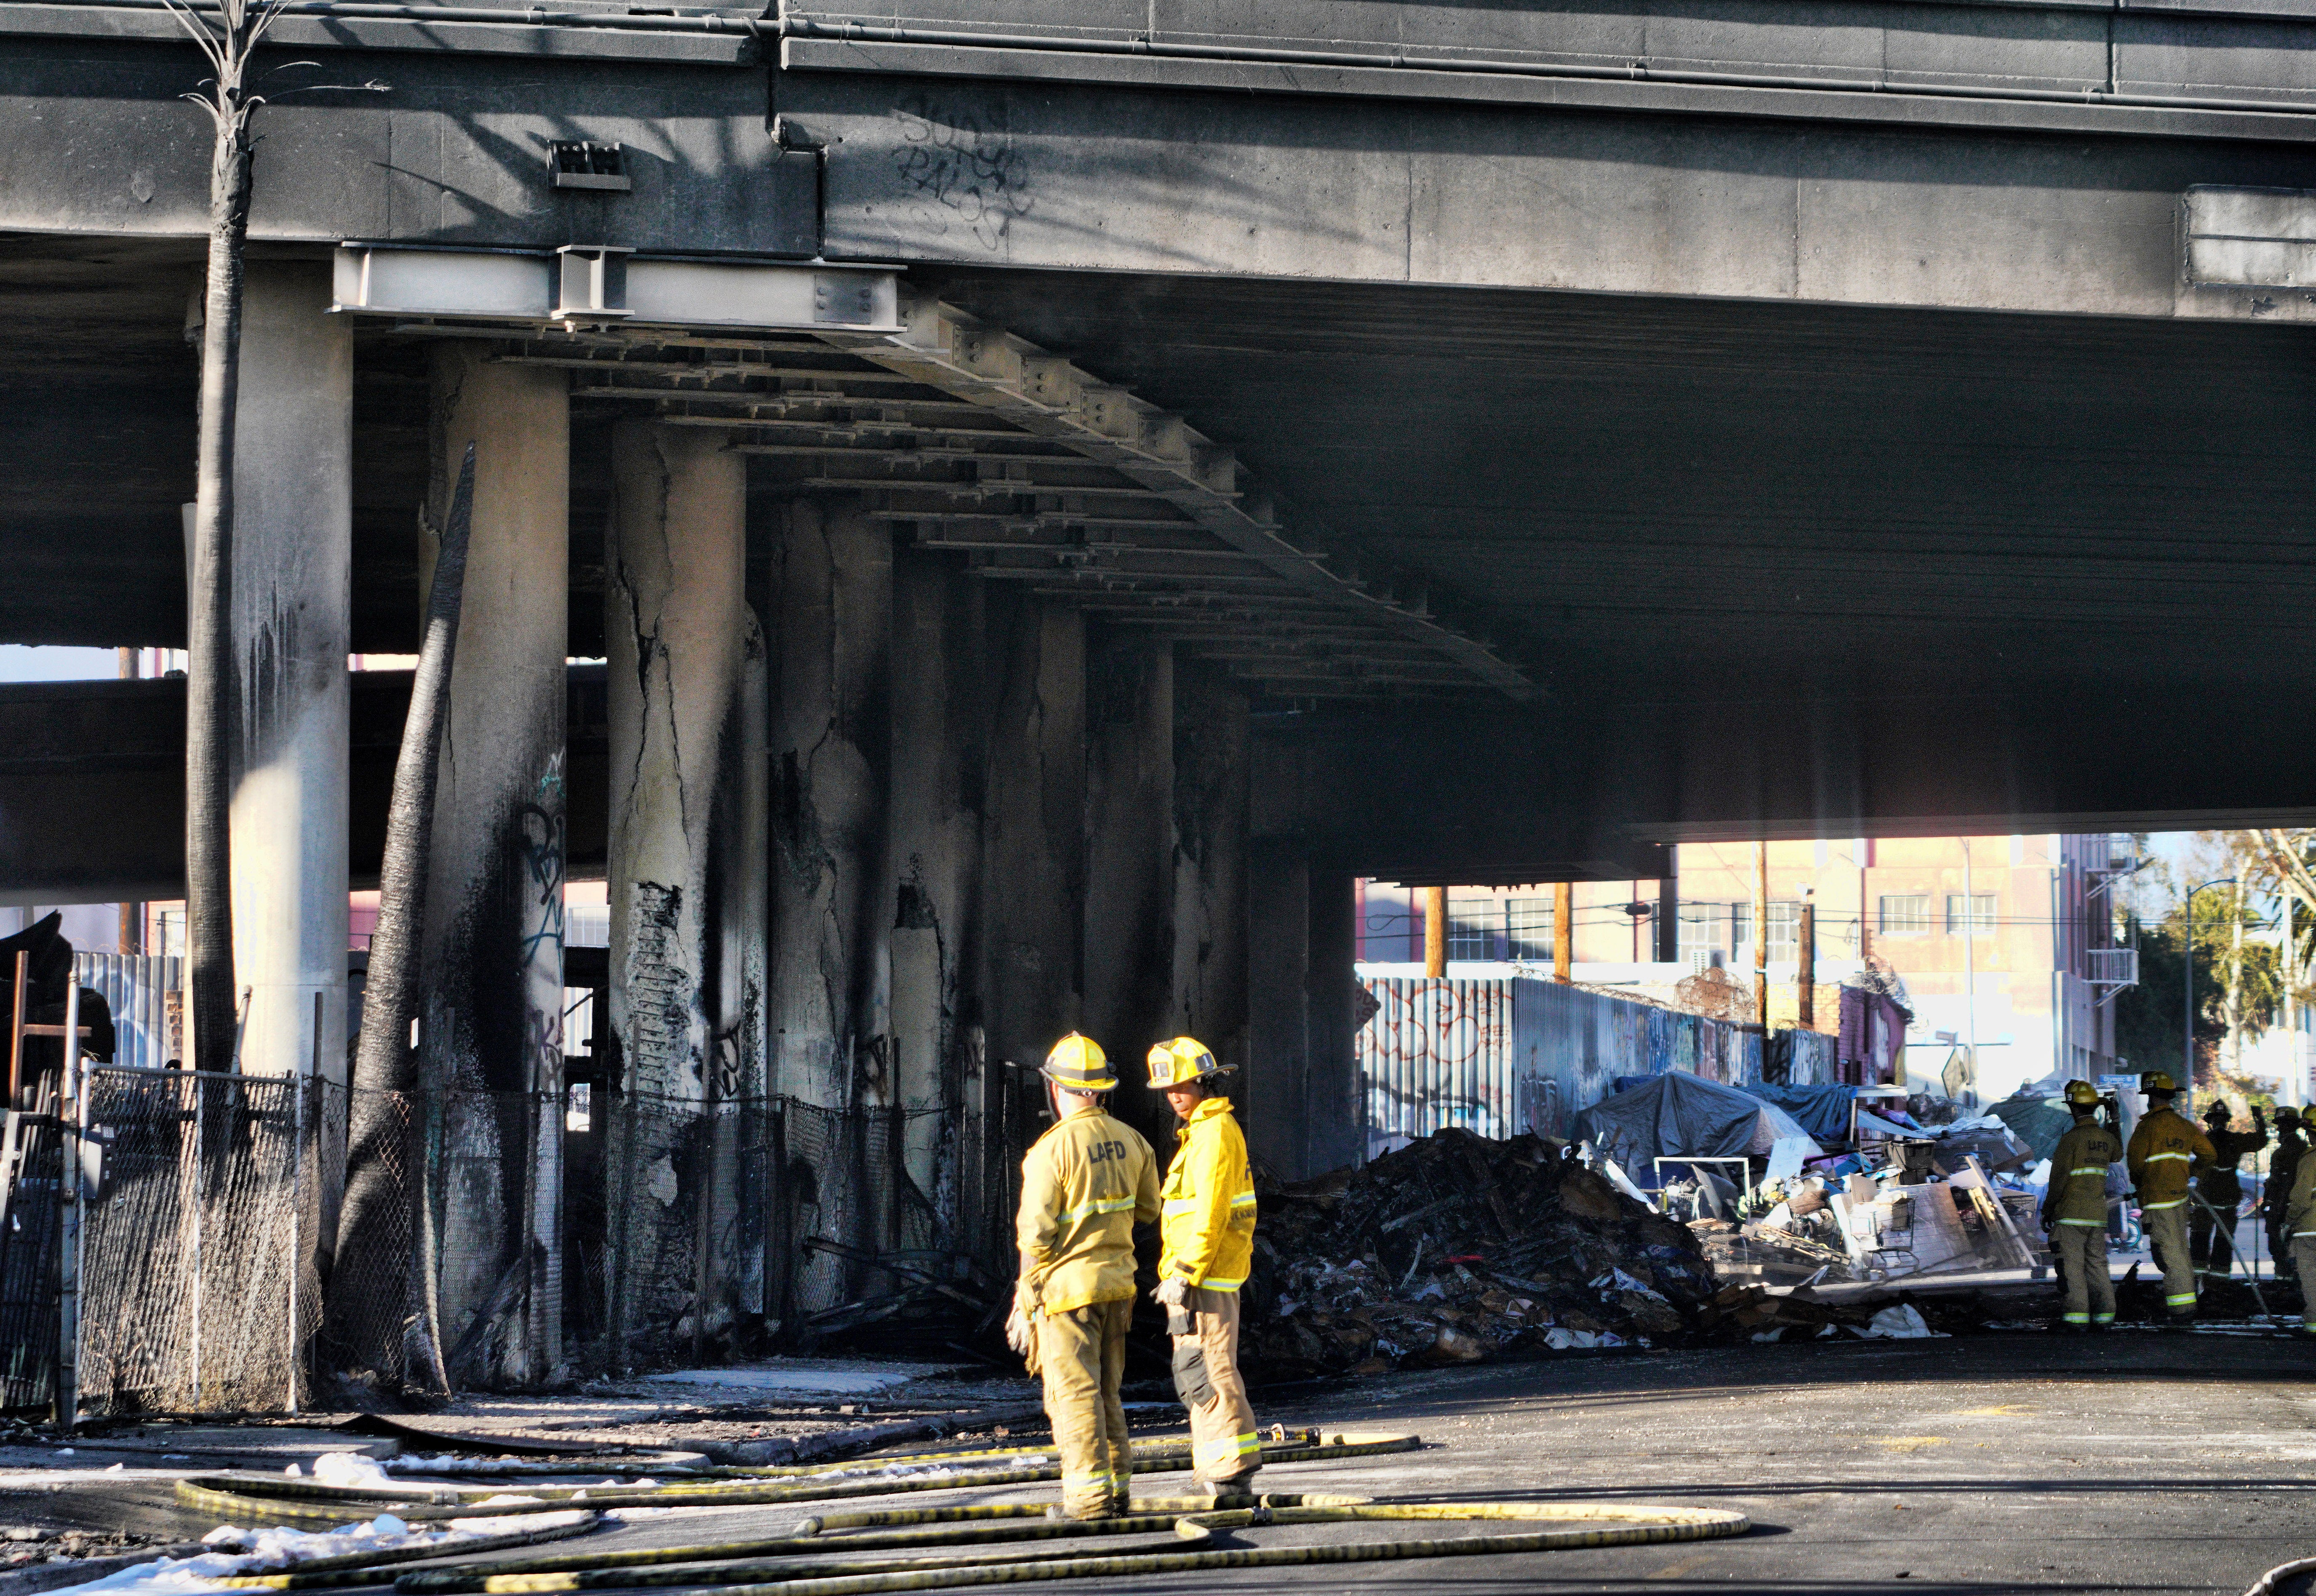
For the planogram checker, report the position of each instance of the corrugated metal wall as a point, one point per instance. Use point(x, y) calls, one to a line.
point(1503, 1055)
point(1438, 1053)
point(141, 989)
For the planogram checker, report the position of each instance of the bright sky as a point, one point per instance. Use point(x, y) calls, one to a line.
point(21, 662)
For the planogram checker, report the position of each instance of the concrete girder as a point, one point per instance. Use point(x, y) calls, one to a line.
point(1045, 395)
point(491, 966)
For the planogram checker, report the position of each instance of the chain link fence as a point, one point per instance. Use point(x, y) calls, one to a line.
point(688, 1230)
point(197, 1287)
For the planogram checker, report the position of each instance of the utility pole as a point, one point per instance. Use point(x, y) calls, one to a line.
point(1563, 932)
point(1435, 931)
point(1969, 964)
point(1805, 963)
point(1761, 934)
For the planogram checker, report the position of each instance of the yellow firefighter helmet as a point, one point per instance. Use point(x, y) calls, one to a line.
point(1181, 1061)
point(1078, 1064)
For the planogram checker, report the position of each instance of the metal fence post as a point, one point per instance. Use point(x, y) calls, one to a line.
point(299, 1088)
point(199, 1200)
point(66, 1393)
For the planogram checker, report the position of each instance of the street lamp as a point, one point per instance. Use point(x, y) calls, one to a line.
point(2187, 982)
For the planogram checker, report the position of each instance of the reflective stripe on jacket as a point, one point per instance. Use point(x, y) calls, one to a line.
point(2166, 1149)
point(2077, 1194)
point(1085, 1185)
point(1207, 1229)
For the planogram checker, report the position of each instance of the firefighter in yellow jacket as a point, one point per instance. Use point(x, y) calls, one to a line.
point(1207, 1235)
point(2074, 1211)
point(2166, 1151)
point(1085, 1185)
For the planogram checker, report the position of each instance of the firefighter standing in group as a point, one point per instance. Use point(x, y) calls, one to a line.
point(2212, 1220)
point(1207, 1233)
point(2167, 1149)
point(2283, 1165)
point(1085, 1185)
point(2074, 1209)
point(2300, 1237)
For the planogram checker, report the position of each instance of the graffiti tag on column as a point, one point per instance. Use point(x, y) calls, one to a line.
point(540, 830)
point(542, 856)
point(964, 173)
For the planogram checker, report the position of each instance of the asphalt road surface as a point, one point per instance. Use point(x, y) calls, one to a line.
point(2132, 1462)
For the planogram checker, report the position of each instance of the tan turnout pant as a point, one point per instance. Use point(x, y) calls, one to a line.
point(2081, 1252)
point(1223, 1445)
point(2167, 1234)
point(2304, 1257)
point(1081, 1356)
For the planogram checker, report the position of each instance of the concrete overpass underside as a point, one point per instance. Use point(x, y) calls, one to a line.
point(1057, 501)
point(1730, 565)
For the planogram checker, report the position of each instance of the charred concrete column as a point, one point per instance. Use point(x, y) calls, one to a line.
point(732, 1239)
point(1334, 1096)
point(1129, 916)
point(1033, 876)
point(938, 742)
point(676, 626)
point(292, 602)
point(491, 1025)
point(833, 896)
point(1210, 838)
point(1278, 997)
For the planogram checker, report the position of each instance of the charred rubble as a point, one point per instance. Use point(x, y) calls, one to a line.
point(1456, 1250)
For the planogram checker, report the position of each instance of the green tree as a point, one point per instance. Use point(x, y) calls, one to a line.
point(2148, 1015)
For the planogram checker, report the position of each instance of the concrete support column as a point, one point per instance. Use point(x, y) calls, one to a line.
point(1278, 998)
point(1129, 917)
point(675, 628)
point(1033, 876)
point(292, 602)
point(831, 896)
point(1335, 1095)
point(491, 974)
point(1210, 839)
point(939, 739)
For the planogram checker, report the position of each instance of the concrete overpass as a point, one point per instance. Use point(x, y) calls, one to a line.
point(1058, 498)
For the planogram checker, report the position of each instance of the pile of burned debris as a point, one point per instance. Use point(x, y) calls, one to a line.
point(1453, 1250)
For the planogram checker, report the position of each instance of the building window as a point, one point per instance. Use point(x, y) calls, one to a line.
point(1528, 928)
point(1785, 932)
point(1697, 934)
point(1905, 914)
point(1975, 914)
point(1471, 928)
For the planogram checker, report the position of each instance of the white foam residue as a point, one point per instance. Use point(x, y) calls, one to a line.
point(272, 1548)
point(348, 1468)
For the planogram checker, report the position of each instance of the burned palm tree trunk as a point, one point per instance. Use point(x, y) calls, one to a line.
point(382, 1306)
point(228, 36)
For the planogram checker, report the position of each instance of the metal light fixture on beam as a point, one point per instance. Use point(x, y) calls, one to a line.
point(599, 284)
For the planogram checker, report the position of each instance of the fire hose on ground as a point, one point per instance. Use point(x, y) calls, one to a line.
point(821, 1555)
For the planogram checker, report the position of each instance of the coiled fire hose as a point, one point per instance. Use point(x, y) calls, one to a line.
point(270, 1500)
point(819, 1556)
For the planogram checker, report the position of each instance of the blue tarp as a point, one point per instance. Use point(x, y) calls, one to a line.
point(1823, 1110)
